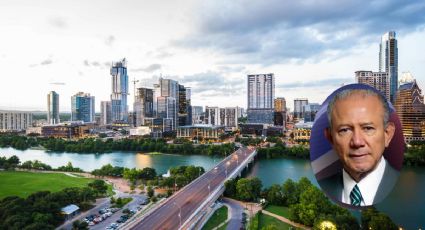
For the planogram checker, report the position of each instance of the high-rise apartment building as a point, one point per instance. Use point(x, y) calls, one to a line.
point(388, 60)
point(227, 117)
point(280, 104)
point(105, 112)
point(82, 107)
point(299, 107)
point(168, 102)
point(212, 115)
point(378, 80)
point(119, 91)
point(185, 108)
point(279, 111)
point(143, 105)
point(410, 108)
point(310, 111)
point(14, 120)
point(197, 115)
point(53, 108)
point(260, 98)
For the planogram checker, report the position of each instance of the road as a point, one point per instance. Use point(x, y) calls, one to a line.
point(236, 210)
point(179, 207)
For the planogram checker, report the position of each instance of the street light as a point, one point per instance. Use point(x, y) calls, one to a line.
point(227, 164)
point(180, 212)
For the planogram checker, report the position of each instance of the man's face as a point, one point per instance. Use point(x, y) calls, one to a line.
point(358, 134)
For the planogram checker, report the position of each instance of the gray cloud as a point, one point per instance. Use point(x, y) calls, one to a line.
point(149, 68)
point(57, 83)
point(278, 31)
point(96, 64)
point(212, 83)
point(110, 40)
point(58, 22)
point(311, 84)
point(46, 62)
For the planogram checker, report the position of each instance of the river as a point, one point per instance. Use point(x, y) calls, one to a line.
point(405, 205)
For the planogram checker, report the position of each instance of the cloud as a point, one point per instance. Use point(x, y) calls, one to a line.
point(279, 31)
point(110, 40)
point(57, 83)
point(150, 68)
point(46, 62)
point(57, 22)
point(320, 83)
point(212, 83)
point(96, 64)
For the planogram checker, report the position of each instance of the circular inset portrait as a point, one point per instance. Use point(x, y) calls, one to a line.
point(356, 146)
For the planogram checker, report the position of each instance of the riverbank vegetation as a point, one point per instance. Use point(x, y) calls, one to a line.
point(96, 145)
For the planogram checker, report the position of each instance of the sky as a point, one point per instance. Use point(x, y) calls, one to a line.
point(312, 47)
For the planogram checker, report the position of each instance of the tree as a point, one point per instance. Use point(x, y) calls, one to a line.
point(248, 189)
point(148, 173)
point(99, 186)
point(274, 195)
point(290, 192)
point(230, 186)
point(151, 192)
point(79, 225)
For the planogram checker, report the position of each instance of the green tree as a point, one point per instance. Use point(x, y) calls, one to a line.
point(274, 195)
point(99, 186)
point(151, 192)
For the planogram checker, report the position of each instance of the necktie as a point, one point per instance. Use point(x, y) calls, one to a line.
point(355, 196)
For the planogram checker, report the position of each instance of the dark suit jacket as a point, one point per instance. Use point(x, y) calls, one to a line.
point(333, 186)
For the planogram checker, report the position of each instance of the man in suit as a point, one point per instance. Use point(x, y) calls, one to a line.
point(359, 131)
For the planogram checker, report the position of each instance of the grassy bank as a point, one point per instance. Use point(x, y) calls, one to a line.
point(219, 216)
point(23, 184)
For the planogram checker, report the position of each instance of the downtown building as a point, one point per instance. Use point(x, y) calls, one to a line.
point(105, 113)
point(15, 121)
point(53, 108)
point(82, 107)
point(260, 96)
point(119, 107)
point(143, 106)
point(299, 104)
point(197, 115)
point(226, 117)
point(388, 61)
point(279, 116)
point(410, 108)
point(377, 80)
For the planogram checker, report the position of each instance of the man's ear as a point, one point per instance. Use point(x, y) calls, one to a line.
point(389, 133)
point(328, 135)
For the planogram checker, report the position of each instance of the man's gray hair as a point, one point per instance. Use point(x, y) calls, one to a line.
point(364, 93)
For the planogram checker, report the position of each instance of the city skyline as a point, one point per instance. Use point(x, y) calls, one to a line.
point(210, 47)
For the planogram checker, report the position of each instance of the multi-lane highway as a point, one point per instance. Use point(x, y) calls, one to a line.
point(173, 213)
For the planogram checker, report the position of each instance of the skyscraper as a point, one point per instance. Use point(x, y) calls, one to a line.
point(119, 91)
point(143, 105)
point(410, 108)
point(53, 108)
point(168, 102)
point(279, 111)
point(388, 60)
point(82, 107)
point(197, 114)
point(105, 112)
point(185, 108)
point(378, 80)
point(260, 98)
point(299, 107)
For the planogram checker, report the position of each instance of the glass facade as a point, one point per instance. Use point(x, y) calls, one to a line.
point(53, 108)
point(119, 91)
point(388, 60)
point(82, 107)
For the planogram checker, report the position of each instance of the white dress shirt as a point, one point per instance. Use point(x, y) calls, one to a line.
point(368, 185)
